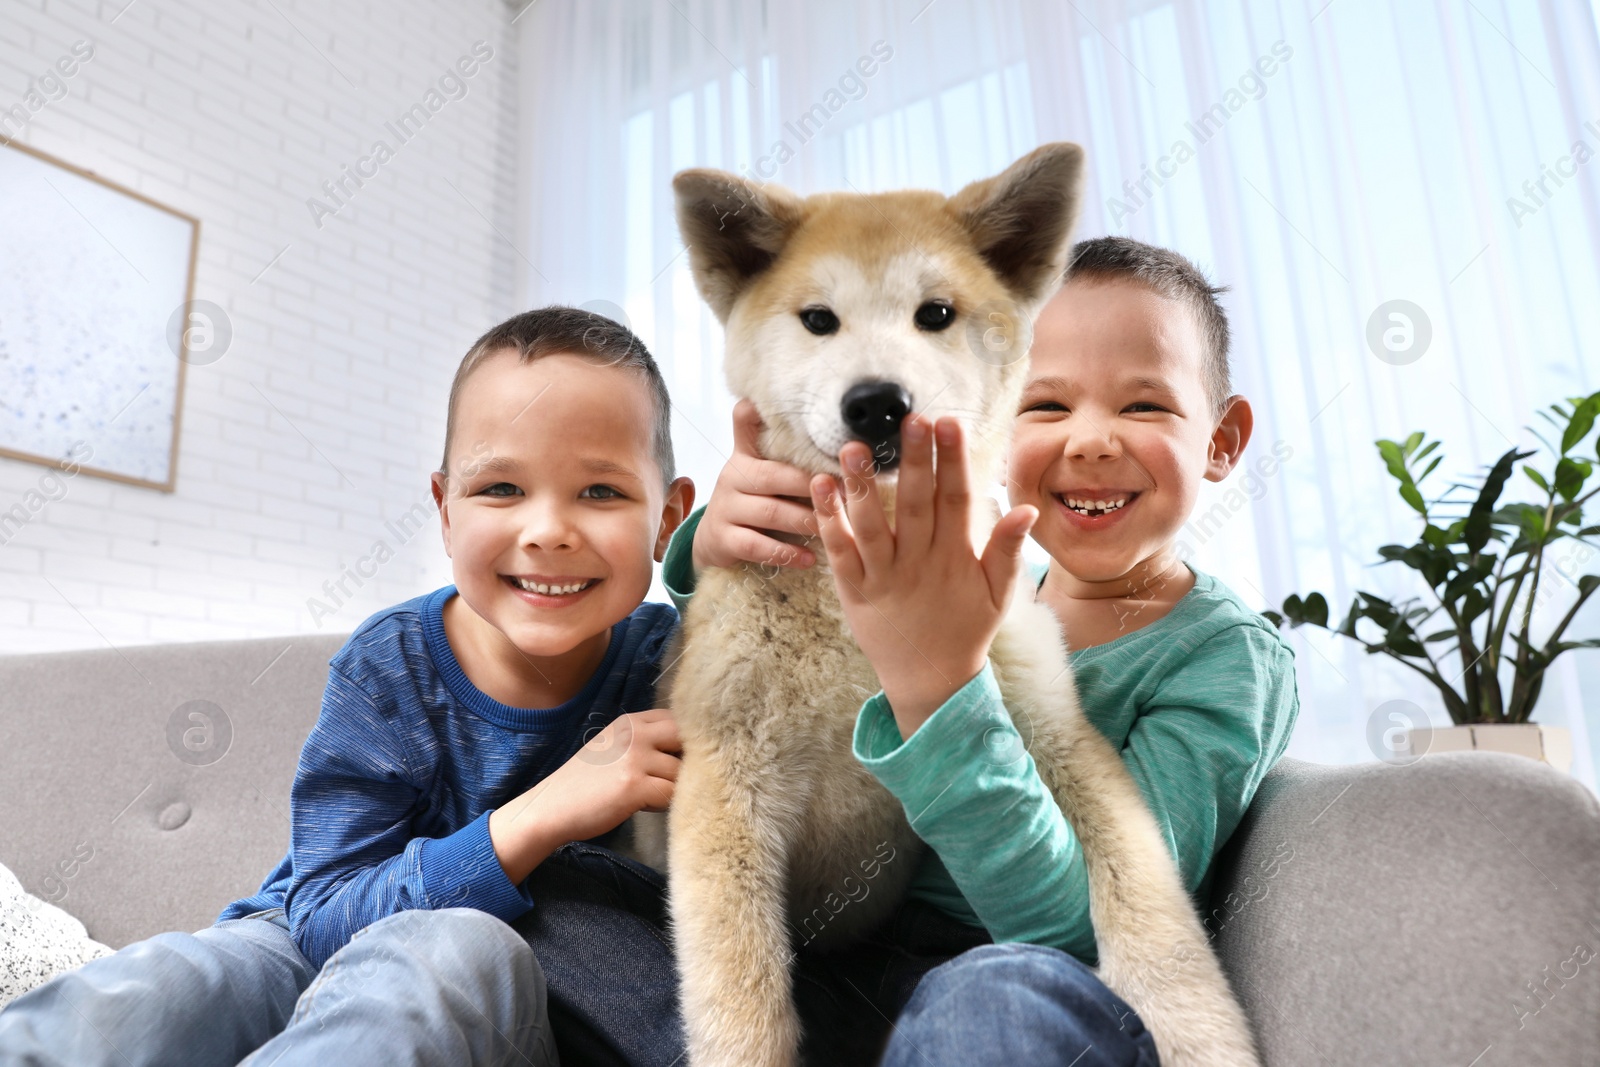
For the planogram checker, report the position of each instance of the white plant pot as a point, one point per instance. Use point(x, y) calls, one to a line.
point(1548, 744)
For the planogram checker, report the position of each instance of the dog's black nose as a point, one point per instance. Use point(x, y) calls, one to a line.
point(874, 411)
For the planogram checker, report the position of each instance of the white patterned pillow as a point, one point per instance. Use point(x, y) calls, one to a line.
point(37, 940)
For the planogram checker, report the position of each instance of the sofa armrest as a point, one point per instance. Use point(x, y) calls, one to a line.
point(108, 809)
point(1442, 912)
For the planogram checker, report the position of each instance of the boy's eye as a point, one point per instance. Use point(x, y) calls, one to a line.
point(1144, 404)
point(499, 489)
point(616, 494)
point(1043, 404)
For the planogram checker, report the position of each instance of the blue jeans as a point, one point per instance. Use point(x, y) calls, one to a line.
point(600, 932)
point(1012, 1004)
point(453, 986)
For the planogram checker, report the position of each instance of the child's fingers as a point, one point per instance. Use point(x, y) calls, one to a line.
point(834, 528)
point(752, 546)
point(775, 512)
point(913, 499)
point(659, 733)
point(637, 732)
point(954, 498)
point(757, 474)
point(768, 477)
point(1002, 556)
point(864, 506)
point(653, 715)
point(658, 793)
point(662, 765)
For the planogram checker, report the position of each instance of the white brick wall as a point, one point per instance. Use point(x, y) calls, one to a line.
point(236, 111)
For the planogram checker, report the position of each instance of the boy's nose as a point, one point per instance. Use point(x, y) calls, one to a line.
point(874, 411)
point(1090, 439)
point(547, 526)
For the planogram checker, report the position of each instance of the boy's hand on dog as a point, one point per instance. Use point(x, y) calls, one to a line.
point(921, 604)
point(630, 766)
point(754, 496)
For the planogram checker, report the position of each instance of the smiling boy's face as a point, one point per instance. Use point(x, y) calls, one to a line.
point(1115, 410)
point(553, 488)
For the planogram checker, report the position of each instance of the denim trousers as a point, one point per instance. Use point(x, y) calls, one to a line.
point(599, 986)
point(923, 989)
point(449, 987)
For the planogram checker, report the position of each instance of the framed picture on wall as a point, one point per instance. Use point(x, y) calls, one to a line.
point(97, 321)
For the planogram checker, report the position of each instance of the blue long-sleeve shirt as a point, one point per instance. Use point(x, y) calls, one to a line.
point(390, 804)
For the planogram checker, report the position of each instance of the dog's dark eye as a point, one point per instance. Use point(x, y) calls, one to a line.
point(819, 321)
point(935, 315)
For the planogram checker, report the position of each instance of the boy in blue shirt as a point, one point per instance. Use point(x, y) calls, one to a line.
point(465, 738)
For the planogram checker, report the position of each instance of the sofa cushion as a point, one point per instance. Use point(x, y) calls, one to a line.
point(37, 940)
point(142, 789)
point(1416, 915)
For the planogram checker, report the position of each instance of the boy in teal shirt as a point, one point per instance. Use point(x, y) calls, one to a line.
point(1126, 410)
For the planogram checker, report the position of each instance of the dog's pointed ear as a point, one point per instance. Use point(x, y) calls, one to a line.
point(733, 229)
point(1021, 219)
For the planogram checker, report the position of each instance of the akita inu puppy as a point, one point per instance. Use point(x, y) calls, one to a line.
point(843, 313)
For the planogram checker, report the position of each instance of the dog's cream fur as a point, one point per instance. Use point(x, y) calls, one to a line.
point(773, 818)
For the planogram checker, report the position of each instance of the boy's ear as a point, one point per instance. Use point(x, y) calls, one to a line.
point(441, 500)
point(1021, 219)
point(1230, 437)
point(677, 506)
point(733, 230)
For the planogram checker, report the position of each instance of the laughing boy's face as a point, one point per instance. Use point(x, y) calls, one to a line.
point(553, 515)
point(1114, 431)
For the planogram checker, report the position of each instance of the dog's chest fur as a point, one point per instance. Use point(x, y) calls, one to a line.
point(767, 695)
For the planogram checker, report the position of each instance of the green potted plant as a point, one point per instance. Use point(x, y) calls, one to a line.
point(1483, 569)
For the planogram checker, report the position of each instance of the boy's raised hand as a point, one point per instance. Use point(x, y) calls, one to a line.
point(630, 766)
point(921, 604)
point(752, 497)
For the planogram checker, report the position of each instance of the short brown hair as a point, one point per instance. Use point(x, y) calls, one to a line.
point(1175, 277)
point(558, 329)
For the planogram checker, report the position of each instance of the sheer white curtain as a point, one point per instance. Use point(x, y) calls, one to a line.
point(1322, 158)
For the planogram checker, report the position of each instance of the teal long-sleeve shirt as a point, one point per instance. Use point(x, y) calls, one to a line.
point(1200, 704)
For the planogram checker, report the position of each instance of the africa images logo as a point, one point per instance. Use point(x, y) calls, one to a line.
point(451, 85)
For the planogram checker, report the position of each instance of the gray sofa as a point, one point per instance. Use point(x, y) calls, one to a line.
point(1442, 913)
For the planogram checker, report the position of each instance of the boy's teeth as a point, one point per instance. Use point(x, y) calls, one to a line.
point(553, 590)
point(1090, 507)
